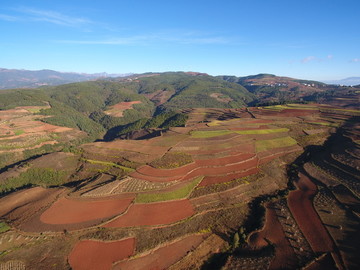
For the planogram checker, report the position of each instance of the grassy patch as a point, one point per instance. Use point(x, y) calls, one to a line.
point(18, 132)
point(262, 131)
point(26, 142)
point(172, 160)
point(34, 176)
point(177, 194)
point(302, 107)
point(263, 145)
point(325, 124)
point(275, 107)
point(4, 227)
point(219, 122)
point(209, 133)
point(111, 164)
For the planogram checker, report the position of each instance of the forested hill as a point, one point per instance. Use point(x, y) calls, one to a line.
point(127, 103)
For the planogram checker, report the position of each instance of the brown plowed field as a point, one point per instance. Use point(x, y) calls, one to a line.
point(300, 204)
point(154, 214)
point(96, 255)
point(200, 171)
point(223, 196)
point(118, 109)
point(246, 147)
point(268, 155)
point(224, 161)
point(46, 127)
point(22, 207)
point(68, 211)
point(285, 257)
point(177, 172)
point(145, 147)
point(210, 180)
point(163, 257)
point(22, 198)
point(206, 142)
point(181, 171)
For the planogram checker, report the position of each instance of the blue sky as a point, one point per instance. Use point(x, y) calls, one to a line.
point(303, 39)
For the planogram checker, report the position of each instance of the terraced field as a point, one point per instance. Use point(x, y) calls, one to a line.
point(151, 195)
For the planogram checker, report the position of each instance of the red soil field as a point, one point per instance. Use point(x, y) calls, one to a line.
point(68, 211)
point(118, 109)
point(129, 145)
point(148, 170)
point(154, 214)
point(285, 257)
point(266, 156)
point(21, 198)
point(210, 180)
point(96, 255)
point(224, 161)
point(163, 257)
point(191, 171)
point(325, 262)
point(232, 150)
point(177, 172)
point(300, 204)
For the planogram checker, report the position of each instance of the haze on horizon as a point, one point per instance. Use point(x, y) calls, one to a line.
point(302, 39)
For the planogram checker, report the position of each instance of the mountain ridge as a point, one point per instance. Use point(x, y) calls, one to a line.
point(22, 78)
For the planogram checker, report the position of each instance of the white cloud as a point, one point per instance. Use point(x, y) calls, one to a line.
point(8, 18)
point(153, 38)
point(54, 17)
point(317, 59)
point(355, 60)
point(37, 15)
point(308, 59)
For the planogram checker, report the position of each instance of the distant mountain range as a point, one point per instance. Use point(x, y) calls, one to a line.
point(19, 78)
point(347, 81)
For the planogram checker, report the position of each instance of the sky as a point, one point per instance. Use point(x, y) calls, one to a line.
point(304, 39)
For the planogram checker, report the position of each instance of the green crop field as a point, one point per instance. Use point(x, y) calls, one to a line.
point(275, 107)
point(4, 227)
point(110, 164)
point(177, 194)
point(325, 124)
point(199, 134)
point(264, 145)
point(262, 131)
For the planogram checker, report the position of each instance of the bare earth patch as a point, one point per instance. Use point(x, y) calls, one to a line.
point(117, 110)
point(96, 255)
